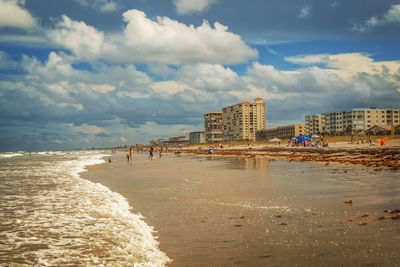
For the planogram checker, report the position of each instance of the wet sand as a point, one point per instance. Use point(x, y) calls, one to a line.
point(226, 211)
point(382, 157)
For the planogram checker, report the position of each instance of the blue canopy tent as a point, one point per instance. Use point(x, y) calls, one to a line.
point(302, 138)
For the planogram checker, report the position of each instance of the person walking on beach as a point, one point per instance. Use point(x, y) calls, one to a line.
point(151, 153)
point(131, 153)
point(160, 153)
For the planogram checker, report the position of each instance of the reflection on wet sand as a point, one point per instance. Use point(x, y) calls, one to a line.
point(222, 211)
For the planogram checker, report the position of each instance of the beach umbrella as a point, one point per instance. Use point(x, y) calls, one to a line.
point(383, 141)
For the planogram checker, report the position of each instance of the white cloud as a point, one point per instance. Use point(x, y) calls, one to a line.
point(86, 128)
point(269, 77)
point(391, 16)
point(348, 65)
point(305, 11)
point(83, 40)
point(6, 62)
point(123, 139)
point(169, 41)
point(192, 6)
point(164, 41)
point(101, 5)
point(170, 87)
point(270, 50)
point(208, 77)
point(12, 14)
point(23, 38)
point(102, 88)
point(254, 92)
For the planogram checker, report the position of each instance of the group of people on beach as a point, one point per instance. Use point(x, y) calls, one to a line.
point(308, 143)
point(129, 157)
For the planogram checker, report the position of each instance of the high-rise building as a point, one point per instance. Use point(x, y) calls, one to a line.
point(356, 120)
point(213, 127)
point(241, 121)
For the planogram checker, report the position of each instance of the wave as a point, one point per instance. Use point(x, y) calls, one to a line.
point(61, 219)
point(10, 155)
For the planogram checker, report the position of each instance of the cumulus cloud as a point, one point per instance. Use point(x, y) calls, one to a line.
point(172, 42)
point(123, 139)
point(143, 40)
point(337, 83)
point(391, 16)
point(348, 65)
point(192, 6)
point(305, 11)
point(13, 14)
point(208, 77)
point(101, 5)
point(83, 40)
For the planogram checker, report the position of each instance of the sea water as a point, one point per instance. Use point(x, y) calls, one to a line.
point(52, 217)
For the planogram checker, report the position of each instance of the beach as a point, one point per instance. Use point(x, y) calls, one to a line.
point(252, 211)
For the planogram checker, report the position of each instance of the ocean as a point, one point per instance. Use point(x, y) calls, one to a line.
point(50, 216)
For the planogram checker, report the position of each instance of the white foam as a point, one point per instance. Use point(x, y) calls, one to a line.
point(10, 155)
point(75, 220)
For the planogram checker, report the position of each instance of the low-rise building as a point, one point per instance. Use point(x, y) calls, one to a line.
point(281, 132)
point(197, 137)
point(351, 121)
point(379, 130)
point(176, 141)
point(314, 124)
point(158, 142)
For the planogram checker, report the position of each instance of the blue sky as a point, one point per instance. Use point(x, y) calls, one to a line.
point(82, 73)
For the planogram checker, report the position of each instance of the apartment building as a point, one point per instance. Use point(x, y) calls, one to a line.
point(241, 121)
point(281, 132)
point(213, 127)
point(314, 124)
point(356, 120)
point(197, 137)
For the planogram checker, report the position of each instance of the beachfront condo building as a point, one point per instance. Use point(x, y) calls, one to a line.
point(281, 132)
point(213, 127)
point(352, 121)
point(314, 124)
point(197, 138)
point(241, 121)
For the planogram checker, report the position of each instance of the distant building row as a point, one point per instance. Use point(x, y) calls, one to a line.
point(281, 132)
point(171, 141)
point(356, 120)
point(236, 122)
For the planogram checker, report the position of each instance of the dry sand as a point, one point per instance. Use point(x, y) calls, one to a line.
point(213, 211)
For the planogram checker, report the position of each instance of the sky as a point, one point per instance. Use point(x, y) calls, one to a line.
point(102, 73)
